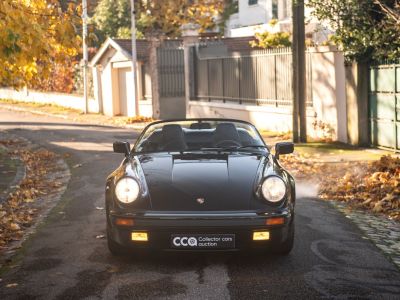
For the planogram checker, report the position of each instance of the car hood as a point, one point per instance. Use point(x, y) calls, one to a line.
point(209, 182)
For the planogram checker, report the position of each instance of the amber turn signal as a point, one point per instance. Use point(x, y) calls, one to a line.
point(261, 236)
point(124, 222)
point(275, 221)
point(139, 236)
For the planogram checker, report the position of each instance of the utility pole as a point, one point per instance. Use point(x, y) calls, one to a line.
point(299, 73)
point(85, 55)
point(134, 59)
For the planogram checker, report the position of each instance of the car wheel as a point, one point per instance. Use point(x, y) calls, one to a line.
point(285, 247)
point(115, 248)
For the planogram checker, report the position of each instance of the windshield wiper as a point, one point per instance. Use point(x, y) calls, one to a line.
point(233, 148)
point(252, 146)
point(244, 147)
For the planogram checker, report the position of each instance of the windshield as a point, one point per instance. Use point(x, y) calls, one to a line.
point(191, 135)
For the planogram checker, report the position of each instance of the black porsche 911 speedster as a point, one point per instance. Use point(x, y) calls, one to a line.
point(200, 184)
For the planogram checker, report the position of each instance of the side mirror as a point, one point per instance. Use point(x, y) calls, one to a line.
point(283, 148)
point(122, 147)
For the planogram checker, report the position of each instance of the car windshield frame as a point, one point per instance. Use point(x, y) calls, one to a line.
point(243, 148)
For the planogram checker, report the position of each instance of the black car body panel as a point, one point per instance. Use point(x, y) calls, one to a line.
point(224, 181)
point(200, 192)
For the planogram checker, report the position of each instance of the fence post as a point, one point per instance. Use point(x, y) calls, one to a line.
point(275, 82)
point(153, 64)
point(190, 35)
point(357, 104)
point(208, 81)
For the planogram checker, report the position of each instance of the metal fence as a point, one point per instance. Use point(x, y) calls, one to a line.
point(261, 77)
point(171, 69)
point(384, 104)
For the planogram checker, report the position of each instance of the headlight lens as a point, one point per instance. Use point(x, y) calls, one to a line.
point(127, 190)
point(273, 189)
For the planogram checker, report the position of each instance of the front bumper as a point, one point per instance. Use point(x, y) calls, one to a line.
point(160, 226)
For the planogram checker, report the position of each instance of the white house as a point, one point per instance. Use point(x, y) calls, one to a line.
point(254, 16)
point(112, 78)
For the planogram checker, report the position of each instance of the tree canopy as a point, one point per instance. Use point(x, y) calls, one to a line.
point(156, 17)
point(367, 29)
point(35, 35)
point(111, 17)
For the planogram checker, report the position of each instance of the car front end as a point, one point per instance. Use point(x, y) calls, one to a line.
point(205, 231)
point(203, 199)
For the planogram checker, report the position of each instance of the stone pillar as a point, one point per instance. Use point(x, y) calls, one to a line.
point(357, 104)
point(153, 70)
point(190, 35)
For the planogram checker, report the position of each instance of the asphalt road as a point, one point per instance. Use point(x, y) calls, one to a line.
point(64, 260)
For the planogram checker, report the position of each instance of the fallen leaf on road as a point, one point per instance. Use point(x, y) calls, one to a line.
point(14, 226)
point(18, 211)
point(77, 166)
point(100, 236)
point(113, 269)
point(99, 208)
point(11, 285)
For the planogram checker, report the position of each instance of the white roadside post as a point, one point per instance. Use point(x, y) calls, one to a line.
point(85, 55)
point(134, 59)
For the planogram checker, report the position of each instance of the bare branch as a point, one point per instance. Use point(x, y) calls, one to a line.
point(392, 13)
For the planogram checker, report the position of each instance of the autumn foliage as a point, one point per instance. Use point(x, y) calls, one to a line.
point(155, 18)
point(374, 186)
point(268, 40)
point(36, 36)
point(21, 207)
point(61, 78)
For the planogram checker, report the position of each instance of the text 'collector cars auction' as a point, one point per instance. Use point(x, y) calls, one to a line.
point(200, 184)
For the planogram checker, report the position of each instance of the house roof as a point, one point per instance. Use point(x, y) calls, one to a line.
point(124, 46)
point(238, 43)
point(142, 46)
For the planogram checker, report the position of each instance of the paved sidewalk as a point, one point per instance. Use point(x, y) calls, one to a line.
point(384, 233)
point(73, 115)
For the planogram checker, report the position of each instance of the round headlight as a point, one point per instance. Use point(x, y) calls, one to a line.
point(273, 189)
point(127, 190)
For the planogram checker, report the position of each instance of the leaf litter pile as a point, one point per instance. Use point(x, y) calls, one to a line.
point(374, 186)
point(24, 203)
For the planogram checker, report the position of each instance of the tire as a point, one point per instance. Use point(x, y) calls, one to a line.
point(115, 248)
point(286, 247)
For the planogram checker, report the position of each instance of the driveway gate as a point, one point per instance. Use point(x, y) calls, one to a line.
point(384, 105)
point(171, 74)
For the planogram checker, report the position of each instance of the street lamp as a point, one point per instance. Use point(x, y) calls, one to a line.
point(85, 55)
point(134, 58)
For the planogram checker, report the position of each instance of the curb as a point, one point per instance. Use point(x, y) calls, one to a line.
point(383, 233)
point(47, 203)
point(33, 111)
point(19, 176)
point(38, 112)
